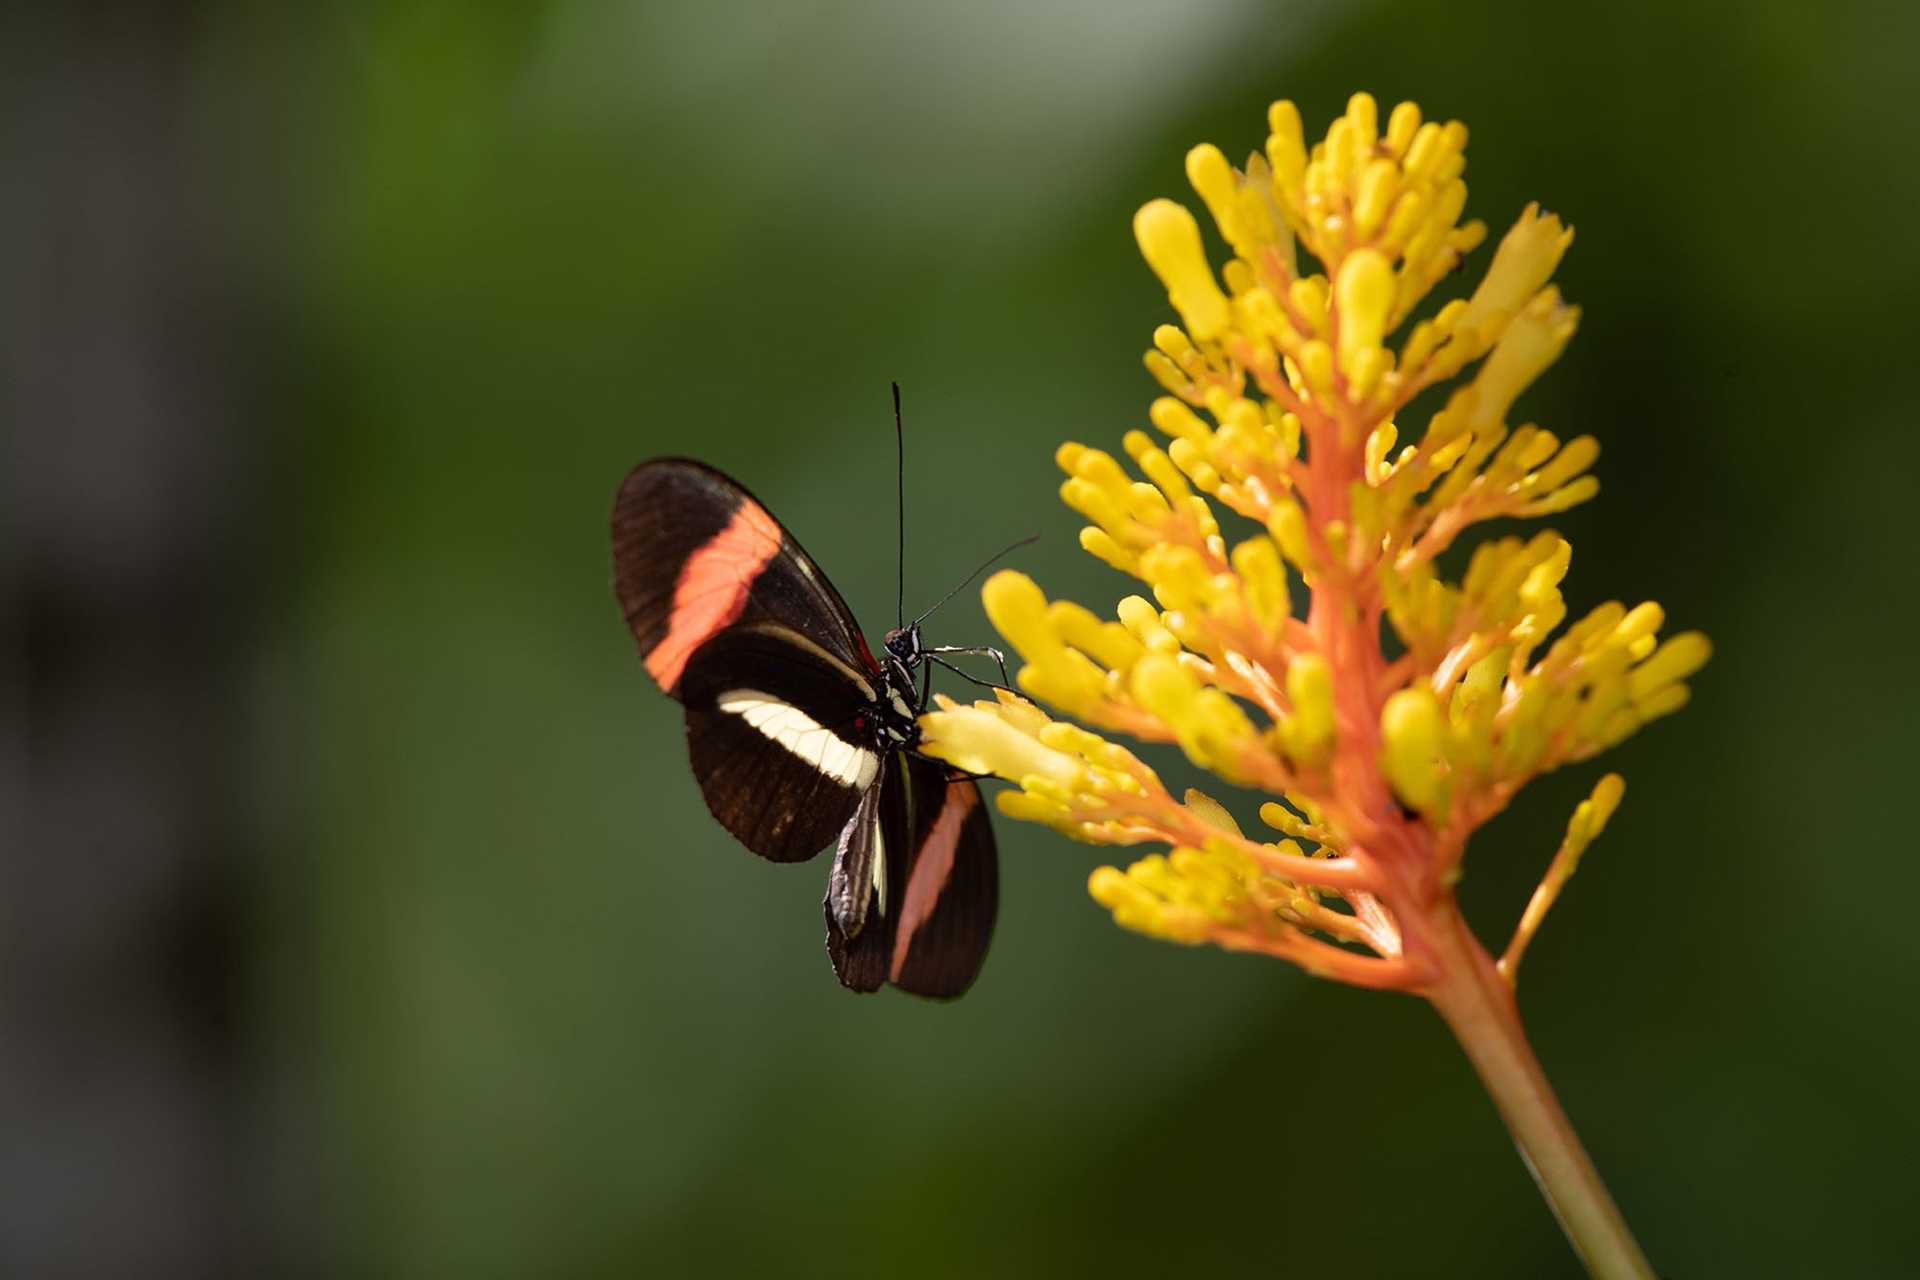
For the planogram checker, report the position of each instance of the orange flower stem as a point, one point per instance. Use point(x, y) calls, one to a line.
point(1478, 1005)
point(1322, 960)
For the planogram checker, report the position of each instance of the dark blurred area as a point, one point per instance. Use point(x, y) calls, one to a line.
point(358, 914)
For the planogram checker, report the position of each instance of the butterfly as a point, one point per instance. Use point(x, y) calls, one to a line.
point(799, 737)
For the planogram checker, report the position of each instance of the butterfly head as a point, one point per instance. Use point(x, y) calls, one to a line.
point(904, 645)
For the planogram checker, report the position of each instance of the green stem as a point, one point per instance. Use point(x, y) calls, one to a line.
point(1478, 1005)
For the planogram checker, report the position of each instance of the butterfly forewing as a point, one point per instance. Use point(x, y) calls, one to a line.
point(694, 553)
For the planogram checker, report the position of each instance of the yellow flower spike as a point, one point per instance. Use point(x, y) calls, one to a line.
point(1531, 342)
point(1282, 387)
point(1169, 239)
point(1364, 296)
point(1413, 736)
point(1522, 265)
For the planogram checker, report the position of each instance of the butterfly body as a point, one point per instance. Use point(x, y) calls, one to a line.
point(798, 735)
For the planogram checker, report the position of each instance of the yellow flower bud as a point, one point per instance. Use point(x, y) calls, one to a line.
point(1210, 811)
point(1530, 343)
point(1170, 241)
point(1400, 126)
point(1675, 660)
point(1286, 146)
point(980, 740)
point(1308, 731)
point(1288, 527)
point(1522, 264)
point(1364, 297)
point(1264, 579)
point(1413, 737)
point(1018, 610)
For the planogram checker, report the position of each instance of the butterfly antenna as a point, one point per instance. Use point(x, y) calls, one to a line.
point(1006, 550)
point(900, 487)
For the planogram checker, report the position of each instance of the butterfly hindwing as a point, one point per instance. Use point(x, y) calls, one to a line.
point(877, 839)
point(928, 932)
point(776, 736)
point(694, 553)
point(951, 892)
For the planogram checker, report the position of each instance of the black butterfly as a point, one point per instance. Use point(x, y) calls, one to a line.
point(798, 735)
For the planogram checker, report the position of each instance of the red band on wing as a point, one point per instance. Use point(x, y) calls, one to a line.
point(713, 588)
point(931, 869)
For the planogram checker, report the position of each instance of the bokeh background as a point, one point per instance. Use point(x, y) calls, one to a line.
point(359, 914)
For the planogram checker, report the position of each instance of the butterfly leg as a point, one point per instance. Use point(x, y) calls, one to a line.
point(984, 684)
point(977, 651)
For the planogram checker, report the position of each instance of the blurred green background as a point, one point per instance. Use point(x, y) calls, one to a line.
point(455, 976)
